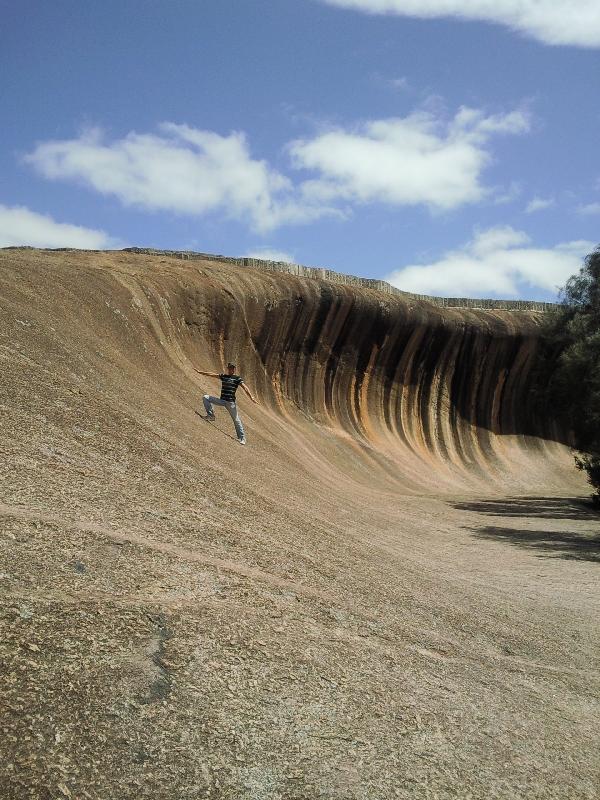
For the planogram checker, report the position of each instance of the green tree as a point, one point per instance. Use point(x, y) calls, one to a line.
point(569, 369)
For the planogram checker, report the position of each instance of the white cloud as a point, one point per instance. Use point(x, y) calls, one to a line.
point(184, 170)
point(509, 194)
point(590, 208)
point(415, 160)
point(539, 204)
point(269, 254)
point(497, 262)
point(405, 161)
point(555, 22)
point(399, 83)
point(20, 226)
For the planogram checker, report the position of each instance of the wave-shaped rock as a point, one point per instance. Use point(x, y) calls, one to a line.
point(430, 395)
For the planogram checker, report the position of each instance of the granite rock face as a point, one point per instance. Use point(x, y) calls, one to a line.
point(424, 387)
point(390, 592)
point(397, 374)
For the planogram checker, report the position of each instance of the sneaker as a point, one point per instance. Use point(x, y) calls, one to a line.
point(210, 417)
point(242, 441)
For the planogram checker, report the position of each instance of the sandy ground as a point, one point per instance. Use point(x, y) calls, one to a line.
point(183, 617)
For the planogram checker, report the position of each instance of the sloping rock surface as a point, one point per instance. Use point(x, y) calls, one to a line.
point(392, 591)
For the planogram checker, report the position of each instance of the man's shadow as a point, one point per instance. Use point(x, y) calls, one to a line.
point(205, 418)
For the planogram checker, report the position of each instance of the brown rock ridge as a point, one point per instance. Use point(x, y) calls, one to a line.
point(390, 592)
point(418, 385)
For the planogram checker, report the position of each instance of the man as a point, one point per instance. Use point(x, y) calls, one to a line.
point(229, 383)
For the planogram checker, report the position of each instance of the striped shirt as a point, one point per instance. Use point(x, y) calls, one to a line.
point(229, 384)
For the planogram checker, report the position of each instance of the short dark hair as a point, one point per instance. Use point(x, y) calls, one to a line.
point(231, 365)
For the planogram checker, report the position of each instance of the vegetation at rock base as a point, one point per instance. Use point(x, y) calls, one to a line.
point(569, 367)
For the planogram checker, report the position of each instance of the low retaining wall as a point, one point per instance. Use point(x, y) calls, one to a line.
point(338, 277)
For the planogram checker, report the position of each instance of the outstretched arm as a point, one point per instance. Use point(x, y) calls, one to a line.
point(249, 393)
point(209, 374)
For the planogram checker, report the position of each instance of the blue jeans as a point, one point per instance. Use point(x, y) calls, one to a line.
point(209, 401)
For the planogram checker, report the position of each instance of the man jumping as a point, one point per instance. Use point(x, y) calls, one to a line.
point(229, 383)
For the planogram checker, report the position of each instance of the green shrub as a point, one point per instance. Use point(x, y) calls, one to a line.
point(569, 367)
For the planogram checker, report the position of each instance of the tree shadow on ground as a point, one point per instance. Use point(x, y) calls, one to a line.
point(542, 507)
point(574, 545)
point(553, 544)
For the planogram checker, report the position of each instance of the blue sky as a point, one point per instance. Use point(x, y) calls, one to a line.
point(452, 154)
